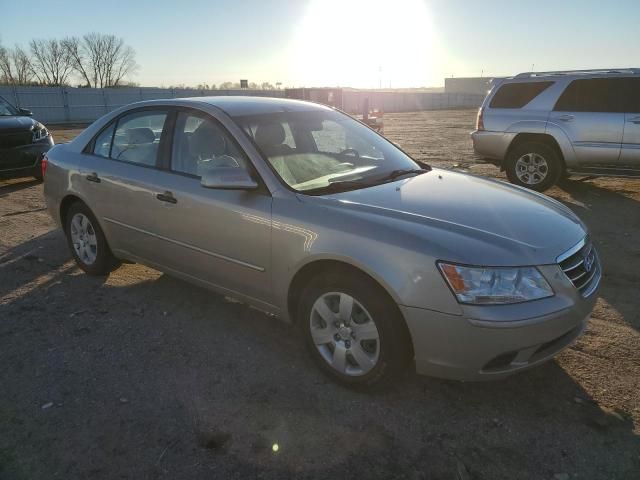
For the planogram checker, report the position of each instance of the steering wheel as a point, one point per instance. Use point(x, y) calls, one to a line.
point(350, 150)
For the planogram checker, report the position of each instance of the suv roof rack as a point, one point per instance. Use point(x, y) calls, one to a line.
point(603, 71)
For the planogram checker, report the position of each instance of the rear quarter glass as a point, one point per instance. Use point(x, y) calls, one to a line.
point(517, 95)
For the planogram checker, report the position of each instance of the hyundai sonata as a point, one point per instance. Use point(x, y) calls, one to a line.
point(306, 213)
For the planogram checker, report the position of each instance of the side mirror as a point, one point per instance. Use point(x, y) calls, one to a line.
point(228, 178)
point(25, 111)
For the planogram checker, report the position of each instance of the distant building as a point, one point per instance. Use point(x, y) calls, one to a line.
point(474, 85)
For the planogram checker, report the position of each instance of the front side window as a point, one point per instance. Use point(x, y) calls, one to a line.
point(200, 144)
point(136, 138)
point(6, 109)
point(517, 95)
point(329, 150)
point(597, 95)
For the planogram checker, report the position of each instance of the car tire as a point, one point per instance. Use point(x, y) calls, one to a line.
point(534, 165)
point(87, 242)
point(349, 348)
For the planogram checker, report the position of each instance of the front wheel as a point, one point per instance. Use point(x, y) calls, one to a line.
point(353, 330)
point(534, 165)
point(87, 242)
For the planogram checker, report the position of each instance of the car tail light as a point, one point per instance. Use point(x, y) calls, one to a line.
point(480, 119)
point(44, 164)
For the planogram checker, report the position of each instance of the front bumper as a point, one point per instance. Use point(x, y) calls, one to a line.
point(492, 146)
point(492, 342)
point(24, 157)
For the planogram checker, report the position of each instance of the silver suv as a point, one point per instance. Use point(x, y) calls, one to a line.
point(539, 127)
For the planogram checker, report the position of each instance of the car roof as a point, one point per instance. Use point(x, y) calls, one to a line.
point(238, 106)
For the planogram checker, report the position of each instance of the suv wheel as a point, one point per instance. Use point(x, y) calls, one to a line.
point(353, 331)
point(87, 242)
point(533, 165)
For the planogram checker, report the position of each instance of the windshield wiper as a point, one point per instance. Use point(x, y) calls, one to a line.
point(393, 174)
point(338, 186)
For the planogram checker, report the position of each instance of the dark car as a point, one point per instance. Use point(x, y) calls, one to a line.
point(23, 141)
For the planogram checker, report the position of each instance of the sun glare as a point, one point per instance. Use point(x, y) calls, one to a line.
point(364, 43)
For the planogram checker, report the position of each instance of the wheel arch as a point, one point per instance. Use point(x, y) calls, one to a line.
point(543, 138)
point(317, 267)
point(65, 204)
point(320, 266)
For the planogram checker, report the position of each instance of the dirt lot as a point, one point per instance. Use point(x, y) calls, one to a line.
point(139, 375)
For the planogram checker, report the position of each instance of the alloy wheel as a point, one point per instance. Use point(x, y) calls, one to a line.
point(531, 168)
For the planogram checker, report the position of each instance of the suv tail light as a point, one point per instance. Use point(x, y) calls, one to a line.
point(44, 163)
point(480, 120)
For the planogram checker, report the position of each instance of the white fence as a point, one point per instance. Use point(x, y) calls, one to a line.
point(81, 105)
point(353, 101)
point(67, 105)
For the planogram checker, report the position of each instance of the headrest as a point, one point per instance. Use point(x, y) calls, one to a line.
point(269, 134)
point(140, 135)
point(207, 141)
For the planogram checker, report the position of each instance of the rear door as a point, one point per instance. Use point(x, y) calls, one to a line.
point(591, 113)
point(630, 154)
point(119, 177)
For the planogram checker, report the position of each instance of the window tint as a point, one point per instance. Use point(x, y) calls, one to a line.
point(604, 95)
point(200, 144)
point(632, 94)
point(517, 95)
point(137, 137)
point(102, 144)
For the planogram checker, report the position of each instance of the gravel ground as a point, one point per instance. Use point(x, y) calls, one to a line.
point(142, 376)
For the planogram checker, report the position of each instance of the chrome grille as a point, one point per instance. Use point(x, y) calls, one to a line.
point(582, 266)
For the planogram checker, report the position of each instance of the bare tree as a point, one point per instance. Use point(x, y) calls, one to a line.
point(22, 66)
point(267, 86)
point(51, 62)
point(15, 66)
point(101, 60)
point(78, 57)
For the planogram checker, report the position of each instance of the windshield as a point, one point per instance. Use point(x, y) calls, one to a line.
point(6, 109)
point(323, 151)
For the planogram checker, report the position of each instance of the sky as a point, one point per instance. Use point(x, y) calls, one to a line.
point(349, 43)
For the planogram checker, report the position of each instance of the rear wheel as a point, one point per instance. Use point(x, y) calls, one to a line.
point(87, 242)
point(353, 330)
point(534, 165)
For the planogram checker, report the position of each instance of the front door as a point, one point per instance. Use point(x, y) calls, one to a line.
point(221, 237)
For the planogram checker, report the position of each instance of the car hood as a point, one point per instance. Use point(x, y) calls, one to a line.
point(16, 124)
point(471, 219)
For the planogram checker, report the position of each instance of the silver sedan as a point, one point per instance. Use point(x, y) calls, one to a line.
point(299, 210)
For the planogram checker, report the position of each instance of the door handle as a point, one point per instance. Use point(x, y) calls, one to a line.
point(166, 197)
point(93, 177)
point(566, 118)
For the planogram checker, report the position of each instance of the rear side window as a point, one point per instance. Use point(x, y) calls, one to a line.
point(517, 95)
point(597, 95)
point(136, 138)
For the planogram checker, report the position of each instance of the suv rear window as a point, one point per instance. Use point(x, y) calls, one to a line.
point(517, 95)
point(599, 95)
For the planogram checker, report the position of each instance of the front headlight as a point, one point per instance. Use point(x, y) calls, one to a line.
point(495, 285)
point(40, 132)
